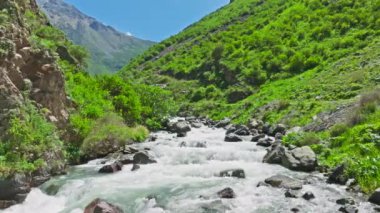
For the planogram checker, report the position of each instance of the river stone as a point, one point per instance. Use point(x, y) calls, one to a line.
point(274, 155)
point(135, 167)
point(179, 127)
point(111, 168)
point(265, 142)
point(282, 181)
point(102, 206)
point(130, 150)
point(255, 124)
point(143, 158)
point(375, 197)
point(257, 137)
point(338, 176)
point(227, 193)
point(232, 138)
point(181, 134)
point(242, 130)
point(223, 123)
point(261, 183)
point(308, 196)
point(201, 145)
point(196, 125)
point(238, 173)
point(7, 203)
point(349, 209)
point(300, 159)
point(345, 201)
point(291, 194)
point(279, 128)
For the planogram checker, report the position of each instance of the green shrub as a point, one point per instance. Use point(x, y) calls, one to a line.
point(79, 53)
point(302, 139)
point(110, 134)
point(338, 130)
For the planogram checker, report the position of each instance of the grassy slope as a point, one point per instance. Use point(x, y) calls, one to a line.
point(295, 59)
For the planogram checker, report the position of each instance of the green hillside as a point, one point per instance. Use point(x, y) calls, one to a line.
point(311, 63)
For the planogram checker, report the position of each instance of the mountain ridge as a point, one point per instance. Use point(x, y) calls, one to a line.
point(109, 48)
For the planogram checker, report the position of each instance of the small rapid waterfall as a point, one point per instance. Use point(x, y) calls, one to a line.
point(185, 180)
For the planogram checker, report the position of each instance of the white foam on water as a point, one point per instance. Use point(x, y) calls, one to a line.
point(185, 180)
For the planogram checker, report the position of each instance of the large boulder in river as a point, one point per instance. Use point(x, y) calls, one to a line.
point(13, 190)
point(282, 181)
point(102, 206)
point(179, 127)
point(226, 193)
point(111, 168)
point(238, 173)
point(375, 197)
point(143, 158)
point(232, 138)
point(300, 159)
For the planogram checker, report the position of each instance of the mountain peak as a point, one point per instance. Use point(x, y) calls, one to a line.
point(110, 49)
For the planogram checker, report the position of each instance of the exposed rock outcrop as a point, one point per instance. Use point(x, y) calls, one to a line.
point(102, 206)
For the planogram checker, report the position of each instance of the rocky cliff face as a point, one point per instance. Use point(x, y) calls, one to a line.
point(28, 74)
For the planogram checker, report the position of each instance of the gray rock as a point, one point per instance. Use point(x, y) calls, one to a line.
point(308, 196)
point(143, 158)
point(345, 201)
point(111, 168)
point(274, 155)
point(265, 142)
point(242, 130)
point(179, 127)
point(255, 124)
point(226, 193)
point(279, 128)
point(201, 145)
point(181, 134)
point(238, 173)
point(135, 167)
point(278, 136)
point(375, 197)
point(223, 123)
point(349, 209)
point(282, 181)
point(256, 138)
point(196, 125)
point(338, 176)
point(291, 194)
point(102, 206)
point(300, 159)
point(232, 138)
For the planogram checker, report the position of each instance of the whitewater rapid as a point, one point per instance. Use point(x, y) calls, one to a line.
point(185, 180)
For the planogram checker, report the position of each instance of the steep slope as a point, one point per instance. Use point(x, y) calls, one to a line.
point(109, 49)
point(313, 64)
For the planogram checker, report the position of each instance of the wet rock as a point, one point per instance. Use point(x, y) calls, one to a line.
point(256, 138)
point(375, 197)
point(179, 127)
point(102, 206)
point(242, 130)
point(181, 134)
point(201, 145)
point(291, 194)
point(266, 128)
point(275, 154)
point(308, 196)
point(261, 183)
point(130, 150)
point(232, 138)
point(300, 159)
point(265, 142)
point(215, 206)
point(135, 167)
point(338, 176)
point(7, 203)
point(349, 209)
point(223, 123)
point(143, 158)
point(282, 181)
point(376, 209)
point(226, 193)
point(295, 210)
point(345, 201)
point(279, 128)
point(39, 180)
point(238, 173)
point(111, 168)
point(196, 125)
point(152, 138)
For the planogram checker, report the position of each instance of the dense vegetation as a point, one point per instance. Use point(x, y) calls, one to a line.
point(282, 61)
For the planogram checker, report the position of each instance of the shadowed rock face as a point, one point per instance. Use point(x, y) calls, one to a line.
point(27, 73)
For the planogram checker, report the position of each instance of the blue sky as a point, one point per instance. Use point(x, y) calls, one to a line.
point(148, 19)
